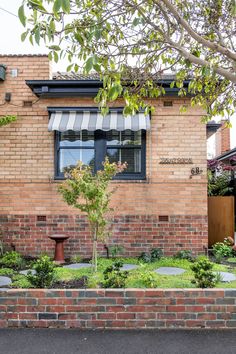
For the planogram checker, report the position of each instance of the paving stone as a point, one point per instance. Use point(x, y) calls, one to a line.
point(78, 265)
point(226, 277)
point(170, 271)
point(25, 272)
point(129, 266)
point(5, 281)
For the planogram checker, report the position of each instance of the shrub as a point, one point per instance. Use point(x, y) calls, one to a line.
point(12, 259)
point(117, 249)
point(148, 279)
point(221, 250)
point(203, 274)
point(114, 277)
point(184, 254)
point(154, 255)
point(44, 273)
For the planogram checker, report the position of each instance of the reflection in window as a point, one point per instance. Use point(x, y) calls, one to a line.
point(92, 147)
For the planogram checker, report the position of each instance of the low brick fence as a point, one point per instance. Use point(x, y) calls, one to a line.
point(118, 308)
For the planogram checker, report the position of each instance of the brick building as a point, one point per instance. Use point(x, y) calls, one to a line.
point(159, 202)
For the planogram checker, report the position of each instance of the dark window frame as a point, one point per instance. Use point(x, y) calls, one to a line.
point(100, 148)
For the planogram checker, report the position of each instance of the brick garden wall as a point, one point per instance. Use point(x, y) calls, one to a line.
point(28, 189)
point(118, 308)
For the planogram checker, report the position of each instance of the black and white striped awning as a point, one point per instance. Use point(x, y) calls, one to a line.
point(91, 121)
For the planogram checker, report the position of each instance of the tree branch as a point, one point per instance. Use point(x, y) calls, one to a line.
point(213, 46)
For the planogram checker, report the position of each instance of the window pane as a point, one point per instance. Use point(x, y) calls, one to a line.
point(113, 137)
point(131, 156)
point(127, 137)
point(70, 157)
point(72, 138)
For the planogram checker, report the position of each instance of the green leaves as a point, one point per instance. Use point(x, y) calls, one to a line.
point(66, 6)
point(56, 7)
point(118, 40)
point(21, 15)
point(63, 5)
point(7, 119)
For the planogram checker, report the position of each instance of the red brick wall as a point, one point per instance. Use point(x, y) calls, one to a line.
point(119, 308)
point(222, 139)
point(136, 233)
point(28, 189)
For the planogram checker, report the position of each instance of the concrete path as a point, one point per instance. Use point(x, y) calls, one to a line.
point(71, 341)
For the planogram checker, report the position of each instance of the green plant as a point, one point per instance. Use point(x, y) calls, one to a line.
point(203, 274)
point(148, 279)
point(20, 281)
point(76, 259)
point(219, 185)
point(12, 259)
point(221, 250)
point(8, 272)
point(114, 277)
point(89, 193)
point(44, 273)
point(4, 120)
point(184, 254)
point(154, 255)
point(117, 249)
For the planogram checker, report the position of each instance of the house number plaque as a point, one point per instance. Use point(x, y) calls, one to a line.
point(176, 161)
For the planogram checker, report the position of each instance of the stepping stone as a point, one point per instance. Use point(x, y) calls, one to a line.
point(226, 277)
point(78, 265)
point(170, 271)
point(25, 272)
point(5, 281)
point(129, 266)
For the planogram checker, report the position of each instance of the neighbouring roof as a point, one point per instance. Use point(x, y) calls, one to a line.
point(227, 155)
point(59, 75)
point(212, 128)
point(23, 55)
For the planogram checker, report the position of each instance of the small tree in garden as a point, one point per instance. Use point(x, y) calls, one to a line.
point(89, 193)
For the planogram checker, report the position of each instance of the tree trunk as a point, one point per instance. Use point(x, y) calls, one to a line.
point(95, 257)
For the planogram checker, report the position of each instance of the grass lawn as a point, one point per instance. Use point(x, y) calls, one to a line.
point(137, 277)
point(142, 277)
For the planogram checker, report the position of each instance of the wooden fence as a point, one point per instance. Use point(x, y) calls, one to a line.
point(220, 218)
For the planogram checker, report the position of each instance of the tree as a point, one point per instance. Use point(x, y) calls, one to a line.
point(132, 43)
point(89, 193)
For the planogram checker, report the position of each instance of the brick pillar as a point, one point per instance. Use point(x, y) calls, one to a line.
point(222, 139)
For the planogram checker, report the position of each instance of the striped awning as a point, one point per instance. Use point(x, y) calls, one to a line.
point(91, 121)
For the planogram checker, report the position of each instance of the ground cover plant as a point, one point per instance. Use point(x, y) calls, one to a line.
point(109, 274)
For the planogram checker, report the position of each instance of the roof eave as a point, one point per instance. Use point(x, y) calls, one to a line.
point(79, 88)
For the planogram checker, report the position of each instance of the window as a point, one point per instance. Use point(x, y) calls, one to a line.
point(92, 147)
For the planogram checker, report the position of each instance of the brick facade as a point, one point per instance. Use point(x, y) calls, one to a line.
point(119, 308)
point(28, 189)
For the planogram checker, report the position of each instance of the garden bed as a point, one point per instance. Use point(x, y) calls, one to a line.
point(157, 294)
